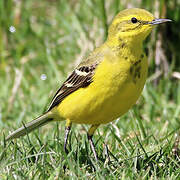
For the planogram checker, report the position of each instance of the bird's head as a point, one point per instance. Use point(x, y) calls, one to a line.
point(133, 24)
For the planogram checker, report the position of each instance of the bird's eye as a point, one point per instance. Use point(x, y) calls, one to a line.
point(134, 20)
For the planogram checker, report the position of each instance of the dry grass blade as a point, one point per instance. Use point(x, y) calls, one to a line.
point(16, 85)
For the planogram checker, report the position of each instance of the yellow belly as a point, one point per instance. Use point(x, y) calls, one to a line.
point(110, 95)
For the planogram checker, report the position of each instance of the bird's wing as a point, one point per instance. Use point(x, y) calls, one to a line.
point(79, 78)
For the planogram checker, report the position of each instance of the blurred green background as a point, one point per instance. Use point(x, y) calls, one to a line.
point(40, 43)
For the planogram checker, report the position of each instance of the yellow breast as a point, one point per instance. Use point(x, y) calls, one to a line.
point(116, 86)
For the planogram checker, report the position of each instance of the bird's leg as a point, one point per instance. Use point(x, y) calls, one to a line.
point(90, 135)
point(67, 130)
point(92, 147)
point(107, 152)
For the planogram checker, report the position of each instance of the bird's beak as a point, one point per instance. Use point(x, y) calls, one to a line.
point(159, 21)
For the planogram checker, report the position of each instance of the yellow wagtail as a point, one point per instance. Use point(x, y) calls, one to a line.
point(107, 83)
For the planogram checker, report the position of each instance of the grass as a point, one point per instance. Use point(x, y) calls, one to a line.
point(50, 38)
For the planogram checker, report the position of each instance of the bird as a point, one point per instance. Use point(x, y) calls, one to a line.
point(107, 83)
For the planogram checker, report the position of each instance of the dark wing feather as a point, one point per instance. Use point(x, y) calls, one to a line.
point(80, 77)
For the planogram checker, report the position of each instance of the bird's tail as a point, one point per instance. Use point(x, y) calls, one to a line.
point(27, 128)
